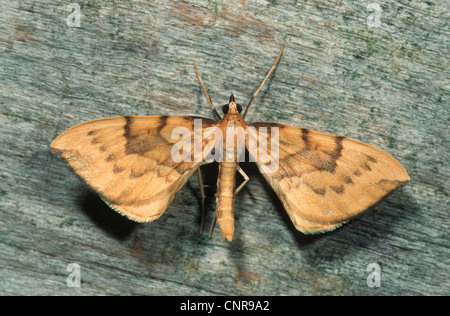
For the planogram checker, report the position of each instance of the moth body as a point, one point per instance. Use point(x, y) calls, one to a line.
point(226, 180)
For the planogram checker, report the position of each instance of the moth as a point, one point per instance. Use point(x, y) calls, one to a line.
point(323, 180)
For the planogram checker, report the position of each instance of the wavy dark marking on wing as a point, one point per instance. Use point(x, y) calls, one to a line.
point(137, 174)
point(313, 157)
point(118, 169)
point(338, 151)
point(338, 189)
point(318, 159)
point(348, 180)
point(141, 144)
point(330, 165)
point(162, 121)
point(152, 143)
point(95, 140)
point(321, 191)
point(305, 138)
point(366, 166)
point(111, 157)
point(127, 126)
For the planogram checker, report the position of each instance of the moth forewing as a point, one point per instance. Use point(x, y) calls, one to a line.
point(128, 160)
point(324, 180)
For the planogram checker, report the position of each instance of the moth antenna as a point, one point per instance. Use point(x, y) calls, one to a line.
point(264, 81)
point(206, 93)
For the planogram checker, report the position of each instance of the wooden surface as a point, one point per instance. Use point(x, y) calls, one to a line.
point(386, 85)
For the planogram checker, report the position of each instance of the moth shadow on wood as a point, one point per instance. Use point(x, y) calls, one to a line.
point(114, 224)
point(377, 221)
point(372, 229)
point(257, 177)
point(209, 179)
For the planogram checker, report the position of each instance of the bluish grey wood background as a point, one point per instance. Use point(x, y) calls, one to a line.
point(386, 85)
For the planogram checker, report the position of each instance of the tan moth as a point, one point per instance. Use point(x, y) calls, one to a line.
point(323, 180)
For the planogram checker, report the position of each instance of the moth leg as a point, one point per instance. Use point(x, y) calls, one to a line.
point(212, 226)
point(203, 196)
point(246, 179)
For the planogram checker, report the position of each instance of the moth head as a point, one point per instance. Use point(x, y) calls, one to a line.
point(232, 107)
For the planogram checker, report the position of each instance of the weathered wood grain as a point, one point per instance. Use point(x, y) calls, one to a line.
point(387, 86)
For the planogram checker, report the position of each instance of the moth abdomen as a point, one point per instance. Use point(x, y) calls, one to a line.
point(225, 198)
